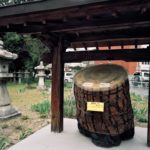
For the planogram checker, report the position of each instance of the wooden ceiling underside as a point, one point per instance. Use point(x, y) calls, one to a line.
point(99, 24)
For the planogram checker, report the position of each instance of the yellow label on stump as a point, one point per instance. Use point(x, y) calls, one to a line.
point(95, 106)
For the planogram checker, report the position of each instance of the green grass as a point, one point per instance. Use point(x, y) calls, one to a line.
point(25, 133)
point(4, 142)
point(4, 126)
point(140, 108)
point(20, 94)
point(70, 107)
point(140, 114)
point(67, 85)
point(42, 108)
point(25, 117)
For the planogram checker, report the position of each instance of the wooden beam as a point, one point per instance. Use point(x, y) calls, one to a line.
point(81, 28)
point(148, 125)
point(130, 55)
point(122, 35)
point(34, 7)
point(23, 29)
point(124, 21)
point(57, 98)
point(126, 55)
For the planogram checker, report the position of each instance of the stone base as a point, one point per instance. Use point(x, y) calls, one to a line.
point(8, 112)
point(41, 87)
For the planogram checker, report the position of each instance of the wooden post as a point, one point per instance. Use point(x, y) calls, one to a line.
point(148, 126)
point(57, 89)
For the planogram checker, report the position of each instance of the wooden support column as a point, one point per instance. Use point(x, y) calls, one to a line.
point(148, 126)
point(57, 98)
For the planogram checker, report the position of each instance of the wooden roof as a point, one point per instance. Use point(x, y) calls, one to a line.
point(44, 5)
point(84, 22)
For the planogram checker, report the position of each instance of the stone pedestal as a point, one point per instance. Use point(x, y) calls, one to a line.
point(6, 109)
point(41, 75)
point(41, 83)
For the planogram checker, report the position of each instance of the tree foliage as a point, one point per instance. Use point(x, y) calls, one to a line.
point(28, 49)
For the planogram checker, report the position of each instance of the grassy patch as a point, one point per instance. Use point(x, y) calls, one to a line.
point(19, 127)
point(67, 85)
point(25, 133)
point(43, 108)
point(25, 117)
point(70, 107)
point(4, 142)
point(140, 108)
point(4, 126)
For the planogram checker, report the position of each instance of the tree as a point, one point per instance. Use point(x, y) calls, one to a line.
point(35, 49)
point(28, 49)
point(15, 44)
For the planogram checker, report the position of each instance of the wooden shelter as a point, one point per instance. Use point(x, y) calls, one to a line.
point(71, 23)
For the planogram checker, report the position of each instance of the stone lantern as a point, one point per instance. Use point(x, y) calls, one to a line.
point(26, 74)
point(20, 75)
point(41, 75)
point(6, 109)
point(14, 76)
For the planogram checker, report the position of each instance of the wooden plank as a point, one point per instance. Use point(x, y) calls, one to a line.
point(148, 125)
point(23, 29)
point(46, 5)
point(57, 89)
point(98, 25)
point(117, 35)
point(126, 55)
point(130, 55)
point(121, 22)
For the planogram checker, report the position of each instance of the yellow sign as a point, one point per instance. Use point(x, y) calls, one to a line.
point(95, 106)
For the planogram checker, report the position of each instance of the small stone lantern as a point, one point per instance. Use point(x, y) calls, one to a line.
point(26, 74)
point(6, 109)
point(41, 75)
point(14, 76)
point(20, 75)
